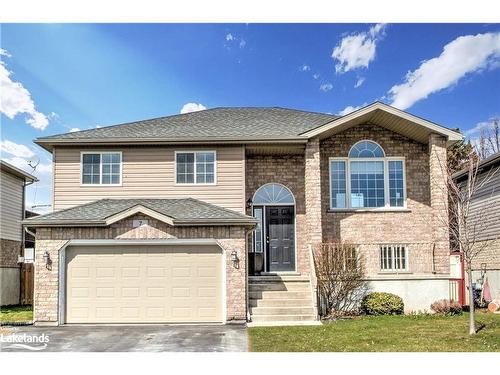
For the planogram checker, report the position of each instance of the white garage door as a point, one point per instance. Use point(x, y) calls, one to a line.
point(141, 284)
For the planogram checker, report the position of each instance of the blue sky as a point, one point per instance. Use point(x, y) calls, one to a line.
point(56, 78)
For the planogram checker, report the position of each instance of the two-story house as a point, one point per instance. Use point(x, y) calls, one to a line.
point(156, 220)
point(485, 207)
point(13, 182)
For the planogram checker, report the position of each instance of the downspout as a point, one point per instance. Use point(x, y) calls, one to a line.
point(23, 235)
point(247, 296)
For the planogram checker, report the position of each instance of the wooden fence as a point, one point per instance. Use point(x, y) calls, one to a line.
point(27, 283)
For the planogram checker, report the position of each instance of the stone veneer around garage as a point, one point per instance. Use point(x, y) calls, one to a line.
point(53, 239)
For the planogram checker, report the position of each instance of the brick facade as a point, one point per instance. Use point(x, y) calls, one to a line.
point(9, 253)
point(53, 239)
point(288, 171)
point(414, 226)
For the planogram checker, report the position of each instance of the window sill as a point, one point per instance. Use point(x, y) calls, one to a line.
point(383, 209)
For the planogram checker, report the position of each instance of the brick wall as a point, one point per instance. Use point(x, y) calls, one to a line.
point(9, 252)
point(288, 171)
point(415, 225)
point(52, 239)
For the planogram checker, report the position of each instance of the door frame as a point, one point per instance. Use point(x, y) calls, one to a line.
point(264, 235)
point(61, 314)
point(266, 224)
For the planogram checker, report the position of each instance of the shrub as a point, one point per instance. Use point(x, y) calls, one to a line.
point(382, 304)
point(446, 307)
point(341, 278)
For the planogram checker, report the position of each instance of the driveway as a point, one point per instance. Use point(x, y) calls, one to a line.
point(129, 338)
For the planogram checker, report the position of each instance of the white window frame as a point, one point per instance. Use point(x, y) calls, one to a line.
point(194, 152)
point(101, 153)
point(387, 202)
point(392, 269)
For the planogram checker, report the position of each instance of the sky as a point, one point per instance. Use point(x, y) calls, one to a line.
point(57, 78)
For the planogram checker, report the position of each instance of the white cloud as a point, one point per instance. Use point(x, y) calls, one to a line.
point(357, 50)
point(15, 99)
point(4, 53)
point(326, 87)
point(22, 163)
point(350, 109)
point(192, 107)
point(316, 75)
point(464, 55)
point(15, 149)
point(230, 39)
point(359, 82)
point(304, 68)
point(72, 130)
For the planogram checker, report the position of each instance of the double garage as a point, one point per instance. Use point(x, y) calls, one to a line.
point(142, 283)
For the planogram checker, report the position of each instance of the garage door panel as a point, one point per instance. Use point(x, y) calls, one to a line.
point(144, 284)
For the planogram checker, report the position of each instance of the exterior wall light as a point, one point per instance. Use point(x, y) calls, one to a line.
point(249, 203)
point(46, 259)
point(235, 259)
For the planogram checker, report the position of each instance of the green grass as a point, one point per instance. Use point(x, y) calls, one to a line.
point(16, 313)
point(420, 333)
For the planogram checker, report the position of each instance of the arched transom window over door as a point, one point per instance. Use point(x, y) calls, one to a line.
point(367, 178)
point(273, 194)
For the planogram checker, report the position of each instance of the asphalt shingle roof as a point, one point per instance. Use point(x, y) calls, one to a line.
point(218, 123)
point(182, 210)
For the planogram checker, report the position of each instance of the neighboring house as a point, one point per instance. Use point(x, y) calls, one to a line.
point(154, 220)
point(485, 206)
point(12, 191)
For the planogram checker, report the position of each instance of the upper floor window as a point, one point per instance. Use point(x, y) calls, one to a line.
point(101, 168)
point(195, 167)
point(367, 179)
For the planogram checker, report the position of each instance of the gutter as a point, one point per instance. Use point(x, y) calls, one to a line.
point(102, 223)
point(48, 144)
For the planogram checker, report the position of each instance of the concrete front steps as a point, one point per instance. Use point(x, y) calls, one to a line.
point(281, 300)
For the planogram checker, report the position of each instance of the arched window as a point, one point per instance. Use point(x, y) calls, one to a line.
point(268, 195)
point(367, 179)
point(366, 149)
point(273, 194)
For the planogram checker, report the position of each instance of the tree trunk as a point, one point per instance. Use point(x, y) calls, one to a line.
point(472, 318)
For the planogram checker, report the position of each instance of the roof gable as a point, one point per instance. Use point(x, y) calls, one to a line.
point(388, 117)
point(178, 211)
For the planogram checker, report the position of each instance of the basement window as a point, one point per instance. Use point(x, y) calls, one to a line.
point(393, 258)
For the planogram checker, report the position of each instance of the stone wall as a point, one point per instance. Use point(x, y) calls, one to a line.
point(53, 239)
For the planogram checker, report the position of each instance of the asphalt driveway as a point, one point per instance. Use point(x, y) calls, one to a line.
point(137, 338)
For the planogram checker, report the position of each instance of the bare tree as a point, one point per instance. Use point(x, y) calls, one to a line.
point(468, 225)
point(488, 142)
point(340, 274)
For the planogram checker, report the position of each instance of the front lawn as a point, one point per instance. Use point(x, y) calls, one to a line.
point(16, 313)
point(424, 333)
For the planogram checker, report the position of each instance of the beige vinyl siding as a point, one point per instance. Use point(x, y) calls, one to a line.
point(11, 206)
point(149, 172)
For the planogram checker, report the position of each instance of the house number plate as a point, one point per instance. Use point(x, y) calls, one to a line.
point(139, 223)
